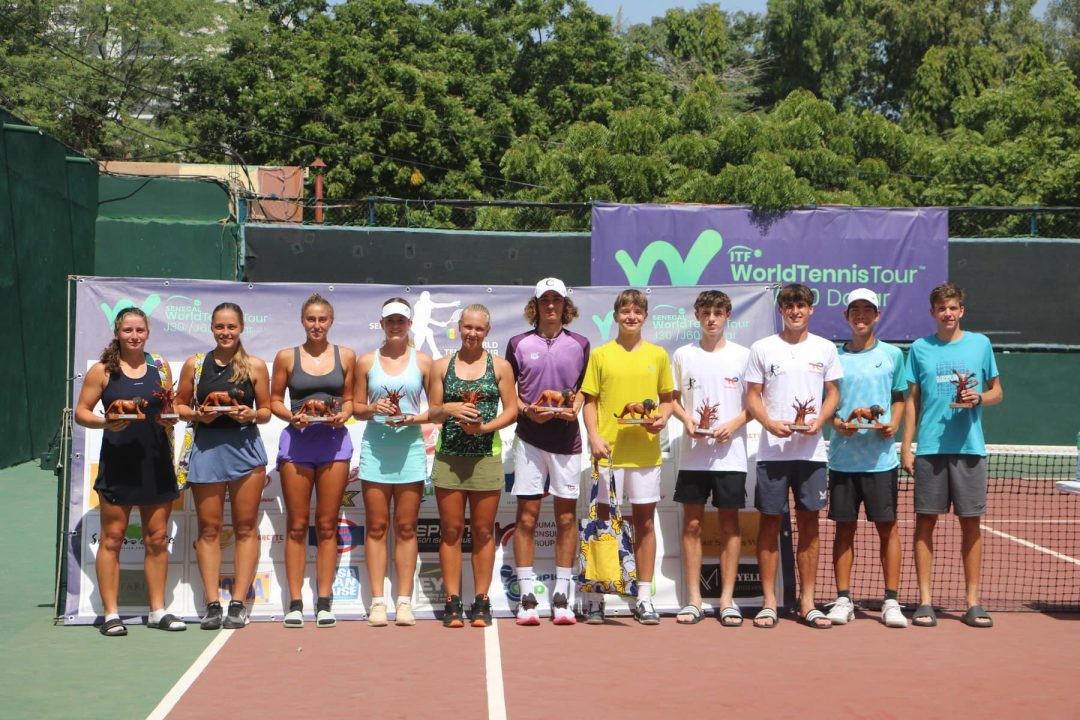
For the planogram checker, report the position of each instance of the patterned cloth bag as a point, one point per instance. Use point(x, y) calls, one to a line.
point(189, 433)
point(606, 547)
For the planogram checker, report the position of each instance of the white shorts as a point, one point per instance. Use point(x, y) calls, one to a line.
point(533, 465)
point(642, 485)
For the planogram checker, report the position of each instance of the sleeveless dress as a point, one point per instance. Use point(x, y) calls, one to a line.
point(463, 461)
point(318, 443)
point(135, 466)
point(394, 455)
point(224, 449)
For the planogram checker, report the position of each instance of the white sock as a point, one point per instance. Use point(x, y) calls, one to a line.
point(644, 591)
point(404, 599)
point(156, 615)
point(378, 601)
point(112, 616)
point(563, 576)
point(526, 579)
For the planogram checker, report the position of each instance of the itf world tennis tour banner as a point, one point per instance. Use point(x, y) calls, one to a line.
point(901, 254)
point(179, 312)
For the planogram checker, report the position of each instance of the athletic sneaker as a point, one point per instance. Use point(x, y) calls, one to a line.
point(892, 616)
point(212, 619)
point(237, 618)
point(842, 612)
point(404, 614)
point(527, 614)
point(561, 614)
point(646, 614)
point(595, 615)
point(481, 611)
point(452, 612)
point(377, 616)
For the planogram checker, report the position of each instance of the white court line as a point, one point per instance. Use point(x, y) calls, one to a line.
point(493, 664)
point(188, 678)
point(1031, 522)
point(1033, 546)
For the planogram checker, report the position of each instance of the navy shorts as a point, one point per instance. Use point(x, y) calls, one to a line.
point(727, 488)
point(876, 491)
point(807, 480)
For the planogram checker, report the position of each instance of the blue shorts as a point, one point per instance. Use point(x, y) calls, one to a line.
point(807, 480)
point(315, 445)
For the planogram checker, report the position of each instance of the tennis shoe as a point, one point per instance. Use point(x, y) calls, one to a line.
point(452, 612)
point(646, 614)
point(212, 619)
point(237, 618)
point(527, 614)
point(595, 615)
point(480, 613)
point(404, 615)
point(377, 616)
point(892, 616)
point(561, 614)
point(842, 611)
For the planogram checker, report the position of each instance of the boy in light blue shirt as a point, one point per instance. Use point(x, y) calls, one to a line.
point(951, 375)
point(863, 467)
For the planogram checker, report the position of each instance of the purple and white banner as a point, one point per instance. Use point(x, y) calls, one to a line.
point(179, 312)
point(901, 254)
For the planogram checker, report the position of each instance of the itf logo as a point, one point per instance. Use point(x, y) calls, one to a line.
point(148, 307)
point(682, 271)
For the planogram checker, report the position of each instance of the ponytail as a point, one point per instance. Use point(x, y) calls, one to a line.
point(110, 357)
point(241, 365)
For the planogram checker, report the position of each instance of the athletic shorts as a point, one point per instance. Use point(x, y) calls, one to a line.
point(532, 466)
point(315, 445)
point(467, 472)
point(642, 485)
point(225, 454)
point(876, 491)
point(727, 487)
point(807, 480)
point(959, 479)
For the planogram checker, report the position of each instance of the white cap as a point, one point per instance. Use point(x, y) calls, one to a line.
point(397, 308)
point(550, 284)
point(863, 294)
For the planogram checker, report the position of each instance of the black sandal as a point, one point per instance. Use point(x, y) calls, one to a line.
point(168, 623)
point(113, 628)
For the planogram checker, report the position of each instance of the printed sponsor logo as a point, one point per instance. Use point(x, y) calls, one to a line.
point(682, 271)
point(185, 314)
point(348, 499)
point(512, 587)
point(148, 306)
point(430, 583)
point(349, 536)
point(132, 538)
point(133, 591)
point(816, 367)
point(428, 536)
point(747, 580)
point(347, 583)
point(258, 593)
point(731, 382)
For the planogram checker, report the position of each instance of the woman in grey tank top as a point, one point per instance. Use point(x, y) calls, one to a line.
point(313, 452)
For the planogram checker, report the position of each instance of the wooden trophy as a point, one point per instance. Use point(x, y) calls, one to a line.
point(473, 397)
point(863, 418)
point(802, 409)
point(126, 409)
point(555, 402)
point(707, 415)
point(319, 411)
point(644, 411)
point(963, 381)
point(167, 396)
point(394, 396)
point(222, 401)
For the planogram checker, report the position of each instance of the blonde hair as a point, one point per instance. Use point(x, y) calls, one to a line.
point(476, 308)
point(316, 299)
point(241, 361)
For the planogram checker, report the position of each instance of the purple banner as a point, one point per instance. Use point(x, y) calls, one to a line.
point(902, 254)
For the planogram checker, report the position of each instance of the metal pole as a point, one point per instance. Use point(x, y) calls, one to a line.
point(318, 166)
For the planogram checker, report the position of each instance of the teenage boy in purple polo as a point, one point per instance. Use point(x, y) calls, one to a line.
point(548, 445)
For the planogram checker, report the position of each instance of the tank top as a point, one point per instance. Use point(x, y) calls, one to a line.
point(214, 378)
point(455, 441)
point(410, 382)
point(305, 386)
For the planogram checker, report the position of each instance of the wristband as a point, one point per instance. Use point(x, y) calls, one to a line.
point(980, 400)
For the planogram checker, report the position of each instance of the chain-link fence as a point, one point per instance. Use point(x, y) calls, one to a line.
point(523, 216)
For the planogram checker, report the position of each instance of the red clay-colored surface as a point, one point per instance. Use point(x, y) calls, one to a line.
point(1024, 667)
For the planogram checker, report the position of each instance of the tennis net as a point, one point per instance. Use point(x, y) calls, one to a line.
point(1030, 535)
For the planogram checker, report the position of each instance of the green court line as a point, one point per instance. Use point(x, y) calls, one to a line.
point(52, 671)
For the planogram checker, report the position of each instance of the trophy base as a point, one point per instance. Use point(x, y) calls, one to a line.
point(964, 406)
point(862, 426)
point(394, 418)
point(704, 431)
point(124, 416)
point(169, 416)
point(220, 408)
point(319, 419)
point(635, 421)
point(797, 428)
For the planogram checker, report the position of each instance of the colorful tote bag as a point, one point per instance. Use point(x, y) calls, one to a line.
point(606, 547)
point(189, 433)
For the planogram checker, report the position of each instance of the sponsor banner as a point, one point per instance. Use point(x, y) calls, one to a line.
point(179, 312)
point(258, 594)
point(900, 253)
point(132, 548)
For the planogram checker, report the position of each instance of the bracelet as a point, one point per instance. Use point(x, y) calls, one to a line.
point(980, 400)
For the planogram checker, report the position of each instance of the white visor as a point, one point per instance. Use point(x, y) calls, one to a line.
point(397, 308)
